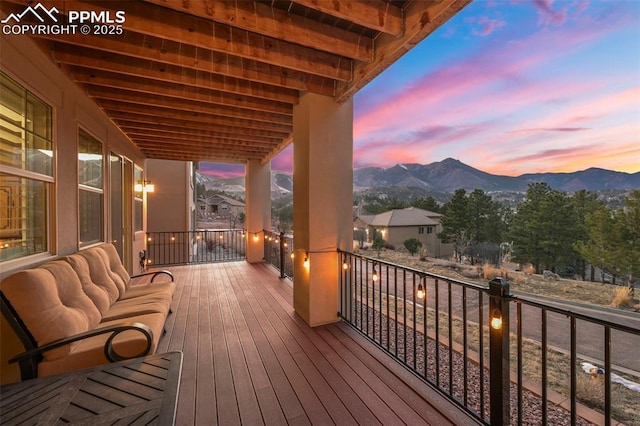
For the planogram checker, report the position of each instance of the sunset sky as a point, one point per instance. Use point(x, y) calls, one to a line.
point(509, 87)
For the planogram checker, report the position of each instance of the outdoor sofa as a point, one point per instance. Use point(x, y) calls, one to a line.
point(83, 310)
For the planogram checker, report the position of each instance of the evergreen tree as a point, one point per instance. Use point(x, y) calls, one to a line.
point(599, 248)
point(543, 229)
point(428, 203)
point(455, 223)
point(628, 223)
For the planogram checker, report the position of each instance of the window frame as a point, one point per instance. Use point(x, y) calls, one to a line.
point(82, 187)
point(48, 178)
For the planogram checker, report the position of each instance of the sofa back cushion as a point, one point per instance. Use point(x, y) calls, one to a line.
point(103, 294)
point(115, 264)
point(100, 273)
point(51, 303)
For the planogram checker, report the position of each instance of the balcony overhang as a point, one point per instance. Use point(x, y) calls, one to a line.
point(217, 81)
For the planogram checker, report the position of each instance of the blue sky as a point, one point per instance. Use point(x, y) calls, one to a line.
point(508, 87)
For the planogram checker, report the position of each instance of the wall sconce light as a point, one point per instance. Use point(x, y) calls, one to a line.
point(496, 319)
point(374, 275)
point(420, 294)
point(144, 186)
point(305, 263)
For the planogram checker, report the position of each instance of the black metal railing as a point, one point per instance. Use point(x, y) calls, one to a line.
point(458, 338)
point(277, 251)
point(202, 246)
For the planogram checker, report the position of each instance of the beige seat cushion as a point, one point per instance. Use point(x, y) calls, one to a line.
point(51, 303)
point(90, 352)
point(130, 308)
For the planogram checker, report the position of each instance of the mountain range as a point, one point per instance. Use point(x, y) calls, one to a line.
point(447, 176)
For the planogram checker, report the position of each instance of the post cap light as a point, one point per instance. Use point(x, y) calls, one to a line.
point(496, 319)
point(420, 294)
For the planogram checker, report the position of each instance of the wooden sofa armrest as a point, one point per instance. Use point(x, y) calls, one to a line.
point(154, 273)
point(109, 351)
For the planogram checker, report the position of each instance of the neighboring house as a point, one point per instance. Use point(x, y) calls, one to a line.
point(397, 226)
point(219, 206)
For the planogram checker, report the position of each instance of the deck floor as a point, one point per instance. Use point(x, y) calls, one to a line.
point(249, 359)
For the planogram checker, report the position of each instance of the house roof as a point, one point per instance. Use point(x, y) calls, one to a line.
point(411, 216)
point(215, 200)
point(217, 80)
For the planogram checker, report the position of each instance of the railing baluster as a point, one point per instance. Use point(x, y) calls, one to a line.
point(607, 375)
point(415, 327)
point(519, 362)
point(573, 381)
point(481, 351)
point(544, 365)
point(465, 349)
point(437, 323)
point(450, 324)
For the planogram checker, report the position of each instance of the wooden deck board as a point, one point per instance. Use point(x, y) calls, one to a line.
point(249, 359)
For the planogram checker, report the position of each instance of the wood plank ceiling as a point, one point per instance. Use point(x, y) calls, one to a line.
point(208, 80)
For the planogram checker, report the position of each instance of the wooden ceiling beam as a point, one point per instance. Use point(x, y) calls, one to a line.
point(200, 137)
point(147, 65)
point(125, 68)
point(170, 52)
point(158, 112)
point(377, 15)
point(124, 95)
point(130, 126)
point(189, 30)
point(127, 118)
point(151, 145)
point(127, 96)
point(419, 22)
point(138, 84)
point(198, 155)
point(260, 18)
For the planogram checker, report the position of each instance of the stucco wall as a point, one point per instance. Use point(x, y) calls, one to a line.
point(24, 62)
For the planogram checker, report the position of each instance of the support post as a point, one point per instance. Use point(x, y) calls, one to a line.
point(499, 377)
point(282, 254)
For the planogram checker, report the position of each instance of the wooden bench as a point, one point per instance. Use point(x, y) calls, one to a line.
point(83, 310)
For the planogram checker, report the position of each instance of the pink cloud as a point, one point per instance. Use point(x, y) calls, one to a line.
point(548, 15)
point(488, 26)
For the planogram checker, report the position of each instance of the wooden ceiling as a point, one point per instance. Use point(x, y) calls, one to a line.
point(208, 80)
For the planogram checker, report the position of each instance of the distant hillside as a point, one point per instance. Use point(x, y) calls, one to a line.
point(445, 177)
point(449, 175)
point(281, 184)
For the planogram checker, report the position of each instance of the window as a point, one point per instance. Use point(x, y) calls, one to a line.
point(137, 198)
point(421, 230)
point(429, 229)
point(26, 156)
point(90, 189)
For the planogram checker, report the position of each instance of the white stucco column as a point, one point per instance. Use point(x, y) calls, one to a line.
point(322, 203)
point(257, 207)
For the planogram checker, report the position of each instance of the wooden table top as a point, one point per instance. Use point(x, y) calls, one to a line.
point(137, 391)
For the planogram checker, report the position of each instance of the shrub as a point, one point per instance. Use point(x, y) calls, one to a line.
point(412, 245)
point(489, 272)
point(622, 296)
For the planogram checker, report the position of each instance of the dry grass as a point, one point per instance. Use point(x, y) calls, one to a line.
point(523, 281)
point(622, 297)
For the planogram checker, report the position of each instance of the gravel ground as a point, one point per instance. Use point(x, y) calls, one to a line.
point(396, 337)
